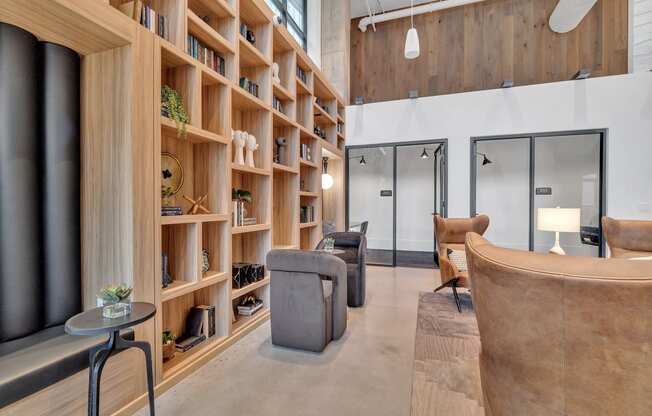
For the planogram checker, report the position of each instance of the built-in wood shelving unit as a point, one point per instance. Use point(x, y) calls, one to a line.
point(284, 179)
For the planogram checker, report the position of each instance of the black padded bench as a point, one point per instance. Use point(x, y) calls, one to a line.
point(35, 362)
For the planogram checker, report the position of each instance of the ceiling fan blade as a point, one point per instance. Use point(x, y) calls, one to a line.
point(568, 14)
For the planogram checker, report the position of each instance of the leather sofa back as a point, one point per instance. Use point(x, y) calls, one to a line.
point(562, 335)
point(628, 238)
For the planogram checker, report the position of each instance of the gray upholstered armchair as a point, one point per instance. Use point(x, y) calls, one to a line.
point(354, 246)
point(308, 298)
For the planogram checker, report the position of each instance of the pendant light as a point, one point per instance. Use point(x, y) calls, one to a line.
point(424, 154)
point(363, 162)
point(412, 40)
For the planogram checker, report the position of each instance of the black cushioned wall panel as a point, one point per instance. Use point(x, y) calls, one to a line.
point(60, 167)
point(21, 295)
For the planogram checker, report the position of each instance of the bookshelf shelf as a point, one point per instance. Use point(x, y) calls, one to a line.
point(250, 56)
point(307, 194)
point(207, 35)
point(282, 120)
point(182, 360)
point(284, 168)
point(219, 8)
point(236, 293)
point(286, 247)
point(308, 163)
point(245, 323)
point(193, 219)
point(248, 169)
point(282, 93)
point(243, 100)
point(193, 134)
point(250, 229)
point(308, 224)
point(302, 88)
point(177, 289)
point(322, 117)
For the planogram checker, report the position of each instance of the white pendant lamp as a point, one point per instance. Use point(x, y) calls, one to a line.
point(412, 49)
point(327, 180)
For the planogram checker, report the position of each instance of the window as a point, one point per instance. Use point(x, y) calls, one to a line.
point(294, 15)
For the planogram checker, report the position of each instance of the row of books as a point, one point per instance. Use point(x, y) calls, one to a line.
point(301, 74)
point(146, 16)
point(307, 214)
point(239, 215)
point(277, 104)
point(206, 55)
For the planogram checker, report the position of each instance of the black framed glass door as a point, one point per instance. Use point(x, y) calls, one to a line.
point(395, 189)
point(515, 178)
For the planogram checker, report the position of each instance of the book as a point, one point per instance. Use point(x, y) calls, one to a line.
point(188, 342)
point(208, 320)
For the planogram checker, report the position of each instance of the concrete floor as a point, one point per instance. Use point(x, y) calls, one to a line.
point(367, 372)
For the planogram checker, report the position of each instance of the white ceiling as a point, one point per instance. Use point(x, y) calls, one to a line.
point(359, 7)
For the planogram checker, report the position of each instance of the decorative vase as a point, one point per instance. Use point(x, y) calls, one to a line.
point(252, 146)
point(281, 142)
point(239, 140)
point(275, 72)
point(169, 350)
point(165, 271)
point(114, 310)
point(206, 263)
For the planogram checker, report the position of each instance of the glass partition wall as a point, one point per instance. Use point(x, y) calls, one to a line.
point(395, 189)
point(513, 177)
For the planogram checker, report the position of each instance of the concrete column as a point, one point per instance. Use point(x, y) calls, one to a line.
point(336, 44)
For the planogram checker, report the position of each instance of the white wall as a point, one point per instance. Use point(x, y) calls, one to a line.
point(641, 35)
point(623, 104)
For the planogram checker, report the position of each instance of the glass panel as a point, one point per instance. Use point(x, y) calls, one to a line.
point(276, 8)
point(416, 168)
point(298, 36)
point(371, 191)
point(503, 190)
point(296, 12)
point(567, 175)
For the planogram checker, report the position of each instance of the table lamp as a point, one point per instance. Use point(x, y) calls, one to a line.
point(558, 220)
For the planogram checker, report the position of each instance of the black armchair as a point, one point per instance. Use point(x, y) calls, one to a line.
point(354, 246)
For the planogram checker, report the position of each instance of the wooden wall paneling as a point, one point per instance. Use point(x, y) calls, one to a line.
point(215, 106)
point(332, 202)
point(476, 47)
point(285, 224)
point(210, 161)
point(181, 242)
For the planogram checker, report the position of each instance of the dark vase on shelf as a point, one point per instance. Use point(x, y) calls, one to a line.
point(165, 272)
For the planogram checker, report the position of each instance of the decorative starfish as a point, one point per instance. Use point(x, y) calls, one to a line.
point(197, 205)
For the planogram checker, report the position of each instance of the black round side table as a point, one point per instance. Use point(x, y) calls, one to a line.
point(92, 322)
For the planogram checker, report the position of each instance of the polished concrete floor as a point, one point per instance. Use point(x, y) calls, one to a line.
point(367, 372)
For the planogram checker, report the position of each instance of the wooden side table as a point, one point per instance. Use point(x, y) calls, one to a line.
point(92, 322)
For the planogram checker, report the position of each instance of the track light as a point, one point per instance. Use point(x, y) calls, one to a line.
point(363, 162)
point(485, 159)
point(424, 154)
point(582, 74)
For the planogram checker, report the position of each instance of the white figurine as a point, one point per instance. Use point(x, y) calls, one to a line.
point(275, 72)
point(252, 146)
point(239, 140)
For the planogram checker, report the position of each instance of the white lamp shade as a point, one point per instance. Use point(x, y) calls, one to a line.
point(326, 181)
point(563, 220)
point(412, 44)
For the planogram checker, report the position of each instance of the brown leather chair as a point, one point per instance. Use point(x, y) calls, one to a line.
point(562, 335)
point(450, 234)
point(628, 238)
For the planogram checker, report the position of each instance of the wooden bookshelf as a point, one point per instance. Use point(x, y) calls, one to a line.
point(122, 57)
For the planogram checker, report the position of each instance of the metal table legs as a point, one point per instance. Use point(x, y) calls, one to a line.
point(98, 357)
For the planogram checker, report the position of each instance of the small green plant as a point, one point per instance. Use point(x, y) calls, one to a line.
point(241, 195)
point(166, 194)
point(168, 337)
point(115, 294)
point(329, 244)
point(172, 106)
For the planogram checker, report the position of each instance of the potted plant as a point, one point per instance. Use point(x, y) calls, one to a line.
point(172, 107)
point(169, 346)
point(114, 301)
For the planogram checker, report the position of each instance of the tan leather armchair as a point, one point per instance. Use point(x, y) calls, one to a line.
point(628, 238)
point(562, 335)
point(450, 234)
